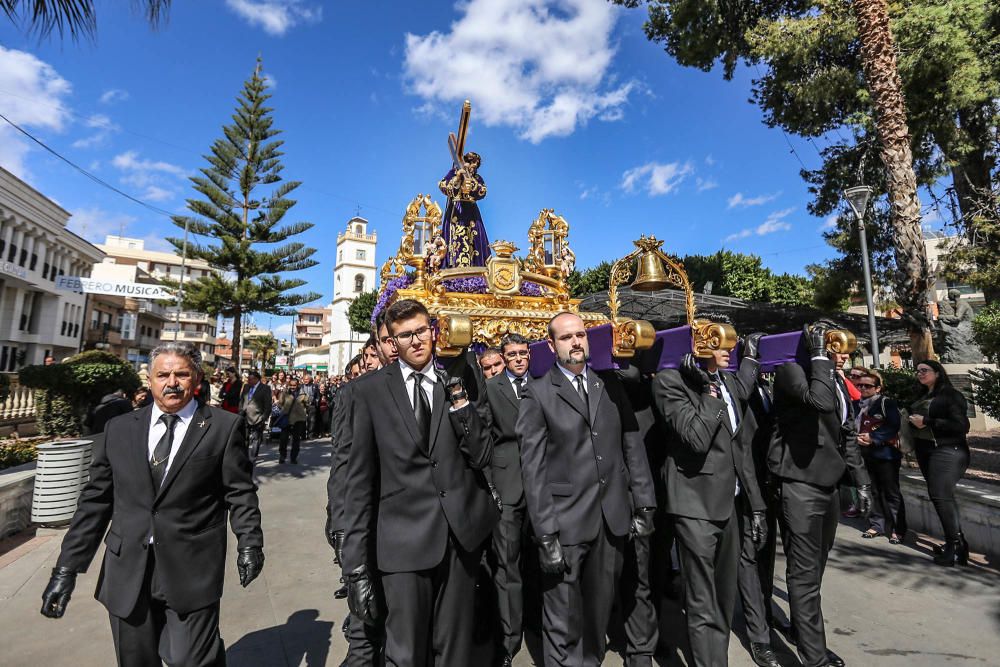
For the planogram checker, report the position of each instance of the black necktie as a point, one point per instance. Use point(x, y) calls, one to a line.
point(421, 408)
point(161, 453)
point(519, 388)
point(583, 392)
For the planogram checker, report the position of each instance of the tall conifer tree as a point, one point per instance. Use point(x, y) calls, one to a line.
point(244, 222)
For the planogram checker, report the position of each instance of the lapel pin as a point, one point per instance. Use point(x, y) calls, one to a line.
point(201, 424)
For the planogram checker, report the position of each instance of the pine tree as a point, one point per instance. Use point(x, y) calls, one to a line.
point(241, 219)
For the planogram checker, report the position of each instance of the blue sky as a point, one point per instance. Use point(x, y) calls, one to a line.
point(573, 109)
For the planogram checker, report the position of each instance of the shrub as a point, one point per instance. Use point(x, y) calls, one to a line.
point(16, 452)
point(986, 389)
point(986, 331)
point(901, 385)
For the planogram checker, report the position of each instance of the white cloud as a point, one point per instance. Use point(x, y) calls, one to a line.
point(739, 201)
point(156, 193)
point(104, 128)
point(538, 66)
point(35, 101)
point(829, 223)
point(775, 222)
point(94, 224)
point(270, 81)
point(113, 96)
point(656, 178)
point(704, 184)
point(157, 179)
point(709, 160)
point(157, 243)
point(276, 17)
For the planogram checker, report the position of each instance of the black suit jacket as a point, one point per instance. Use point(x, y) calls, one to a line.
point(419, 492)
point(258, 409)
point(810, 442)
point(210, 475)
point(704, 455)
point(499, 411)
point(581, 468)
point(758, 429)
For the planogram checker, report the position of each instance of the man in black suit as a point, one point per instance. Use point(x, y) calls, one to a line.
point(168, 474)
point(418, 509)
point(706, 472)
point(584, 471)
point(255, 408)
point(814, 442)
point(499, 413)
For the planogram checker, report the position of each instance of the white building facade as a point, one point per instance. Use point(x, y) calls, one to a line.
point(353, 274)
point(38, 320)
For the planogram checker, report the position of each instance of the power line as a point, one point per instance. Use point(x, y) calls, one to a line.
point(91, 176)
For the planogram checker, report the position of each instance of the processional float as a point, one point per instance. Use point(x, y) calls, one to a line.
point(476, 296)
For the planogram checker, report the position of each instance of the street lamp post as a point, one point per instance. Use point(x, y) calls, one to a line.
point(858, 197)
point(180, 290)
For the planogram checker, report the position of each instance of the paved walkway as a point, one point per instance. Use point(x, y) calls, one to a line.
point(884, 605)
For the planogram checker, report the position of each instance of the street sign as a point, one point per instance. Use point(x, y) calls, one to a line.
point(134, 290)
point(281, 360)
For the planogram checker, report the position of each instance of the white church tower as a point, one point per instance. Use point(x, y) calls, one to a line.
point(353, 274)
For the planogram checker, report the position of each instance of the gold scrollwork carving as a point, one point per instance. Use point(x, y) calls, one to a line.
point(708, 336)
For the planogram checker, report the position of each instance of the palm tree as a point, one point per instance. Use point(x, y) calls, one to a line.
point(78, 17)
point(264, 348)
point(878, 54)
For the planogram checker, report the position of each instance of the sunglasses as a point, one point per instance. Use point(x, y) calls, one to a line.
point(865, 386)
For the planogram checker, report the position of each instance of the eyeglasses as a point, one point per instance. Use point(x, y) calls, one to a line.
point(865, 386)
point(924, 371)
point(406, 338)
point(515, 354)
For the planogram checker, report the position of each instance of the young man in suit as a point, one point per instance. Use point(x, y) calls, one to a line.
point(499, 413)
point(814, 442)
point(168, 474)
point(584, 470)
point(417, 508)
point(255, 408)
point(707, 471)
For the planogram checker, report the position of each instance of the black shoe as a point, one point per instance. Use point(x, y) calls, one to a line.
point(947, 555)
point(763, 655)
point(833, 660)
point(962, 550)
point(340, 593)
point(281, 460)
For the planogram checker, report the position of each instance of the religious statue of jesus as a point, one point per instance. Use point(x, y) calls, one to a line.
point(462, 228)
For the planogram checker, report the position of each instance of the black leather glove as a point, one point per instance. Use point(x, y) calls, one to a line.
point(816, 338)
point(865, 499)
point(642, 522)
point(338, 547)
point(249, 563)
point(758, 529)
point(496, 498)
point(751, 345)
point(328, 531)
point(551, 555)
point(57, 593)
point(691, 372)
point(454, 389)
point(362, 598)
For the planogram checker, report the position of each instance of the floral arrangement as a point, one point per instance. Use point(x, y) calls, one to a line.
point(402, 282)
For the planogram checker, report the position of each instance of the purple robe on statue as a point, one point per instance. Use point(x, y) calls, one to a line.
point(462, 228)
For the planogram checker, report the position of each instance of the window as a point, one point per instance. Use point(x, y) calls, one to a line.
point(359, 254)
point(359, 283)
point(359, 230)
point(340, 256)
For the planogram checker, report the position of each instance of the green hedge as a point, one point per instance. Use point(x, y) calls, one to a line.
point(16, 452)
point(986, 387)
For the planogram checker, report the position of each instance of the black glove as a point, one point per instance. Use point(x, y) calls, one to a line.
point(496, 498)
point(751, 345)
point(816, 338)
point(691, 372)
point(362, 599)
point(758, 529)
point(57, 593)
point(551, 555)
point(249, 563)
point(642, 522)
point(328, 531)
point(454, 389)
point(865, 499)
point(338, 547)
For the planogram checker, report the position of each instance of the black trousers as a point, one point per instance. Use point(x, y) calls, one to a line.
point(255, 434)
point(810, 513)
point(755, 573)
point(942, 468)
point(709, 551)
point(431, 613)
point(154, 632)
point(295, 432)
point(635, 600)
point(576, 605)
point(364, 643)
point(507, 541)
point(888, 514)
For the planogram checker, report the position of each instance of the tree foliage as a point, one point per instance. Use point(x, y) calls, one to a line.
point(264, 349)
point(77, 17)
point(359, 313)
point(807, 60)
point(986, 389)
point(986, 331)
point(245, 223)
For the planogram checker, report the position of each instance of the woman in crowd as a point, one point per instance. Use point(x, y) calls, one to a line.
point(230, 393)
point(878, 436)
point(280, 383)
point(940, 420)
point(293, 412)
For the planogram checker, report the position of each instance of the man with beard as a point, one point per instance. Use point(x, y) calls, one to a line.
point(581, 458)
point(364, 640)
point(417, 507)
point(814, 443)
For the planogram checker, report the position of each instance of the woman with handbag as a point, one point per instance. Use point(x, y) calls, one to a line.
point(941, 422)
point(878, 438)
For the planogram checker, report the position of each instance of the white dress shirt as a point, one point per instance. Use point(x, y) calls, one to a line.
point(158, 428)
point(731, 409)
point(427, 384)
point(572, 377)
point(841, 399)
point(513, 379)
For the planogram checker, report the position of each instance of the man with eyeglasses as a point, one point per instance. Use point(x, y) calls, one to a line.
point(417, 508)
point(584, 469)
point(499, 413)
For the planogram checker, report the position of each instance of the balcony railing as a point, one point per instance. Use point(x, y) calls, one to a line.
point(20, 405)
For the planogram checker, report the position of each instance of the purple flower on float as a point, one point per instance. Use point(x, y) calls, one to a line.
point(531, 289)
point(391, 287)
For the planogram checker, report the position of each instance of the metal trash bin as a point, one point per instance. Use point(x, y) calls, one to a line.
point(62, 471)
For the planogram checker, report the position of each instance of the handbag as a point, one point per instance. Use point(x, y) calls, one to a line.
point(905, 435)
